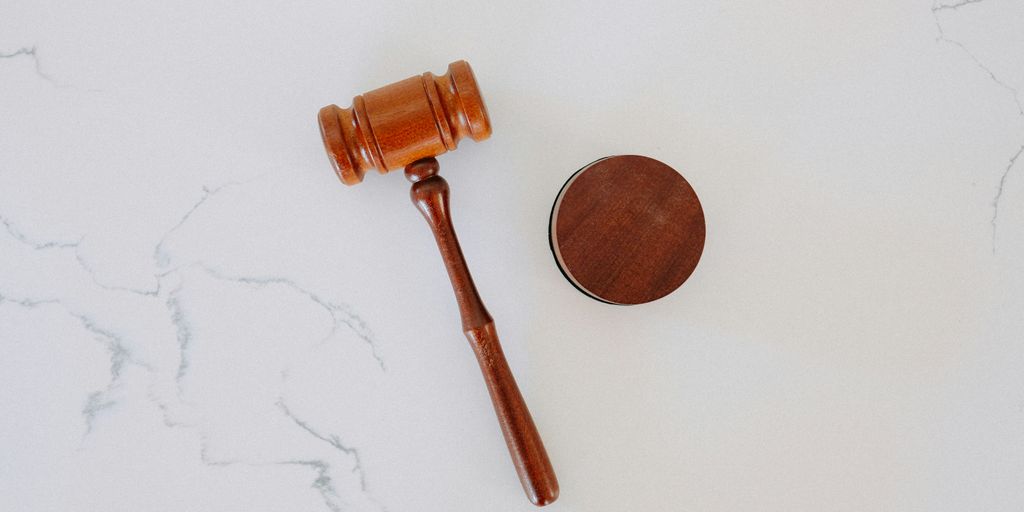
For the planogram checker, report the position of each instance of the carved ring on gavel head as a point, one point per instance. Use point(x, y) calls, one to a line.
point(406, 124)
point(391, 127)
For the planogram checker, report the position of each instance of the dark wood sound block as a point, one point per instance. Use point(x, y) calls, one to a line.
point(627, 229)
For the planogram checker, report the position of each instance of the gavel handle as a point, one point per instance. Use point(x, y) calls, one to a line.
point(430, 195)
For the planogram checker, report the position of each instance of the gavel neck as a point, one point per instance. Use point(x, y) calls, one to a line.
point(430, 195)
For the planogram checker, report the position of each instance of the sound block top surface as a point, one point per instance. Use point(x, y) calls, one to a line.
point(627, 229)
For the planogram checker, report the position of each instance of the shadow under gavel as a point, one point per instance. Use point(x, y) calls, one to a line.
point(405, 125)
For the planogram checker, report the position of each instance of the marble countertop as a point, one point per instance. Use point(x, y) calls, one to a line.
point(196, 316)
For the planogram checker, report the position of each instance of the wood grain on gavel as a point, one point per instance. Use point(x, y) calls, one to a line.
point(406, 124)
point(391, 127)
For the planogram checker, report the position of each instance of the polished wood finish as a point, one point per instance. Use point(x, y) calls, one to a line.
point(406, 124)
point(627, 229)
point(391, 127)
point(430, 195)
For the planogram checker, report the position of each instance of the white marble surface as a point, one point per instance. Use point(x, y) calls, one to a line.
point(196, 316)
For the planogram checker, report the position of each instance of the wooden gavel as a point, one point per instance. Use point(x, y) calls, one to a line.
point(406, 124)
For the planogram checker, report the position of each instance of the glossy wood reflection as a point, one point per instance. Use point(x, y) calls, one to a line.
point(395, 125)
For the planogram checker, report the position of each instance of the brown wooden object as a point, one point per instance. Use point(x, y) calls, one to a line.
point(391, 127)
point(627, 229)
point(406, 124)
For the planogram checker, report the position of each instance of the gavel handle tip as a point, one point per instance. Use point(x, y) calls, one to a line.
point(524, 442)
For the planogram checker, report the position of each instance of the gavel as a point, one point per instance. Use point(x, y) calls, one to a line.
point(405, 125)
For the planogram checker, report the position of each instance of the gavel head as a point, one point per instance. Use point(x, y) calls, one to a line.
point(391, 127)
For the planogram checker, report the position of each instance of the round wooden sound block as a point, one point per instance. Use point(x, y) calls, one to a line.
point(627, 229)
